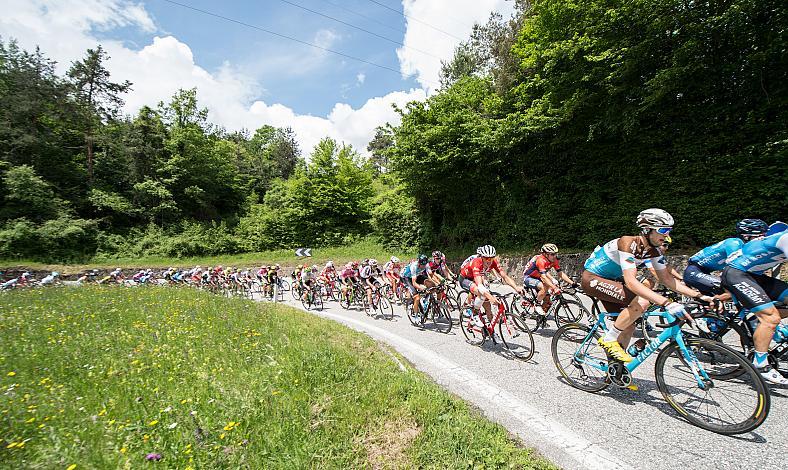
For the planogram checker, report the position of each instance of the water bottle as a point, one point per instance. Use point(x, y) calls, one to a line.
point(468, 312)
point(715, 325)
point(781, 333)
point(636, 347)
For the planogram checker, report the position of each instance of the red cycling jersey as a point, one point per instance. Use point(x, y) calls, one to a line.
point(539, 265)
point(475, 267)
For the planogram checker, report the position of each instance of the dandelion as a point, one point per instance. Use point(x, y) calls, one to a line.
point(11, 374)
point(123, 450)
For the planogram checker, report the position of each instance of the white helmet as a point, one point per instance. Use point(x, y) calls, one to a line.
point(549, 248)
point(487, 251)
point(330, 264)
point(55, 274)
point(654, 218)
point(373, 262)
point(394, 259)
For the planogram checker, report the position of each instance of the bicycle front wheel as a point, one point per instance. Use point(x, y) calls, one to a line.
point(517, 337)
point(579, 358)
point(569, 311)
point(385, 308)
point(441, 317)
point(732, 405)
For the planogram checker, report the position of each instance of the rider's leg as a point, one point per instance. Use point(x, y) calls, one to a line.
point(627, 324)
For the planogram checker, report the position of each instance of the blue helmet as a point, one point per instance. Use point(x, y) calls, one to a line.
point(751, 227)
point(776, 227)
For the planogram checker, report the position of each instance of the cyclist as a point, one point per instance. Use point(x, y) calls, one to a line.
point(712, 258)
point(413, 277)
point(308, 278)
point(536, 275)
point(348, 277)
point(439, 267)
point(472, 278)
point(366, 275)
point(745, 279)
point(271, 279)
point(610, 275)
point(329, 272)
point(391, 272)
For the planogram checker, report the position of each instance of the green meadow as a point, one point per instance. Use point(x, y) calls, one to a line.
point(127, 378)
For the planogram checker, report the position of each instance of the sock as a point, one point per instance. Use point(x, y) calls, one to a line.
point(612, 332)
point(760, 359)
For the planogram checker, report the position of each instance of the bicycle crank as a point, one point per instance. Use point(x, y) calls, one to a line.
point(619, 375)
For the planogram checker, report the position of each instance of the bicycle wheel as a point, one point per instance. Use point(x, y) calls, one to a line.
point(296, 292)
point(414, 320)
point(725, 406)
point(344, 300)
point(712, 326)
point(528, 314)
point(317, 301)
point(473, 334)
point(579, 358)
point(441, 317)
point(569, 311)
point(385, 308)
point(285, 286)
point(368, 309)
point(305, 302)
point(516, 336)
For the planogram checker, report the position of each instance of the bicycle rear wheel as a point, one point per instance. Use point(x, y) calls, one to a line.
point(579, 358)
point(385, 308)
point(732, 405)
point(569, 311)
point(516, 336)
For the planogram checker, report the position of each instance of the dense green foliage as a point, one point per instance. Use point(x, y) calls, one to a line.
point(79, 180)
point(598, 110)
point(101, 378)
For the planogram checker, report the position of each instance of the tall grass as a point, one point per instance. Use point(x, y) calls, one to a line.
point(108, 378)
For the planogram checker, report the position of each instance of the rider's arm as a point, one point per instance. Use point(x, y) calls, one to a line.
point(549, 281)
point(566, 278)
point(508, 280)
point(478, 279)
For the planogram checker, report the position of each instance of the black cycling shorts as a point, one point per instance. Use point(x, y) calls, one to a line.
point(695, 277)
point(754, 292)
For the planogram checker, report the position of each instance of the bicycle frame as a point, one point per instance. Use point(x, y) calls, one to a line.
point(673, 331)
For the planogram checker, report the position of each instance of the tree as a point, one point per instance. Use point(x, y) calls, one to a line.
point(99, 98)
point(378, 148)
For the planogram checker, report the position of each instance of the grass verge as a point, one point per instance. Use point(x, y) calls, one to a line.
point(116, 378)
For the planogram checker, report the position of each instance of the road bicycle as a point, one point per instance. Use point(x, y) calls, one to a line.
point(708, 383)
point(513, 334)
point(380, 304)
point(351, 296)
point(312, 298)
point(430, 308)
point(563, 308)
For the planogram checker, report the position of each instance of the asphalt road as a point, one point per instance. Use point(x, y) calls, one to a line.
point(612, 429)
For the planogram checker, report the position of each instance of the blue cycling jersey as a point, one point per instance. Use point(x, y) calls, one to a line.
point(413, 269)
point(609, 262)
point(758, 256)
point(712, 258)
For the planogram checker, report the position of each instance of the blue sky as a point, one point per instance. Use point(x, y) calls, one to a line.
point(246, 77)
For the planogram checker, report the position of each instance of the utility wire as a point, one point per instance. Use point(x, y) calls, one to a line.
point(402, 13)
point(360, 29)
point(348, 56)
point(361, 15)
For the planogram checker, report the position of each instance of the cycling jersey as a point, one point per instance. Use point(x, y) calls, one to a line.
point(348, 273)
point(539, 265)
point(392, 268)
point(758, 256)
point(48, 280)
point(413, 270)
point(712, 258)
point(437, 267)
point(474, 266)
point(365, 272)
point(327, 272)
point(610, 261)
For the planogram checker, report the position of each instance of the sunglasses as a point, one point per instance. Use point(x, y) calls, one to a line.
point(664, 230)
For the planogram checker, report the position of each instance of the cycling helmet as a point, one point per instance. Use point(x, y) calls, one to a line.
point(373, 262)
point(314, 267)
point(394, 259)
point(354, 264)
point(55, 274)
point(365, 262)
point(423, 259)
point(654, 218)
point(486, 251)
point(777, 227)
point(278, 267)
point(549, 248)
point(330, 264)
point(751, 227)
point(438, 254)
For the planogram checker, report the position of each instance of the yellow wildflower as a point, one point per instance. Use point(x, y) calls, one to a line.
point(11, 374)
point(153, 423)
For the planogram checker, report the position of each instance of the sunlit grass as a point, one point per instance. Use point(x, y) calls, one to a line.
point(107, 378)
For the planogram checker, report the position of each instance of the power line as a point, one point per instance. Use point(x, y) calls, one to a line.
point(360, 29)
point(348, 56)
point(361, 15)
point(402, 13)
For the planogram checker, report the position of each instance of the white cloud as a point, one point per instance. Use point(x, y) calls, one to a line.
point(64, 29)
point(458, 22)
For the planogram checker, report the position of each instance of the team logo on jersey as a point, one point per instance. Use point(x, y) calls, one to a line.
point(593, 283)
